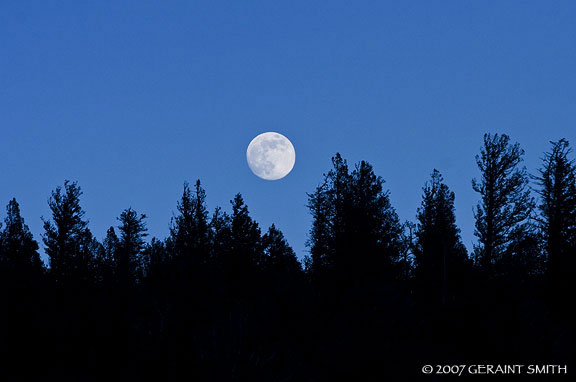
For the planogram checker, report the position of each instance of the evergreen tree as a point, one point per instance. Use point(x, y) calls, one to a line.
point(320, 241)
point(439, 253)
point(557, 182)
point(355, 230)
point(245, 235)
point(243, 258)
point(281, 262)
point(189, 234)
point(105, 258)
point(18, 250)
point(131, 243)
point(340, 199)
point(374, 224)
point(68, 241)
point(506, 205)
point(219, 236)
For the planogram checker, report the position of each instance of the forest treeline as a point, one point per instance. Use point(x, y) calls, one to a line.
point(221, 299)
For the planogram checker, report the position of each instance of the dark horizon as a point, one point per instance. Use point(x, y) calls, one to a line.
point(222, 298)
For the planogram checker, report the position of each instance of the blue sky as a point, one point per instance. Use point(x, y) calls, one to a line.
point(131, 99)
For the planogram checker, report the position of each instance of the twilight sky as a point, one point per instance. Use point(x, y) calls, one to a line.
point(133, 99)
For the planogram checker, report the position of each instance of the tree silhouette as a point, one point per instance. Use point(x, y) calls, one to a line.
point(320, 240)
point(245, 240)
point(280, 261)
point(506, 205)
point(189, 234)
point(131, 243)
point(356, 259)
point(106, 258)
point(376, 228)
point(219, 236)
point(19, 258)
point(557, 182)
point(355, 230)
point(440, 255)
point(67, 239)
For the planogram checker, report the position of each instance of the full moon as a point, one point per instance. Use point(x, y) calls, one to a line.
point(271, 156)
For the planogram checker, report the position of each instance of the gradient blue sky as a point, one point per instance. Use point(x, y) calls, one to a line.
point(133, 99)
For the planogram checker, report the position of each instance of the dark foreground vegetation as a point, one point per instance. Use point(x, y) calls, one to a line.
point(221, 300)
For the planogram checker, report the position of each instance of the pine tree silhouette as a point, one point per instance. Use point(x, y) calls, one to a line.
point(189, 234)
point(557, 182)
point(506, 205)
point(245, 239)
point(440, 255)
point(106, 258)
point(67, 238)
point(280, 261)
point(131, 243)
point(20, 262)
point(355, 230)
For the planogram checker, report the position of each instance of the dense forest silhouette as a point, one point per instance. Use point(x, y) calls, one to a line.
point(222, 299)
